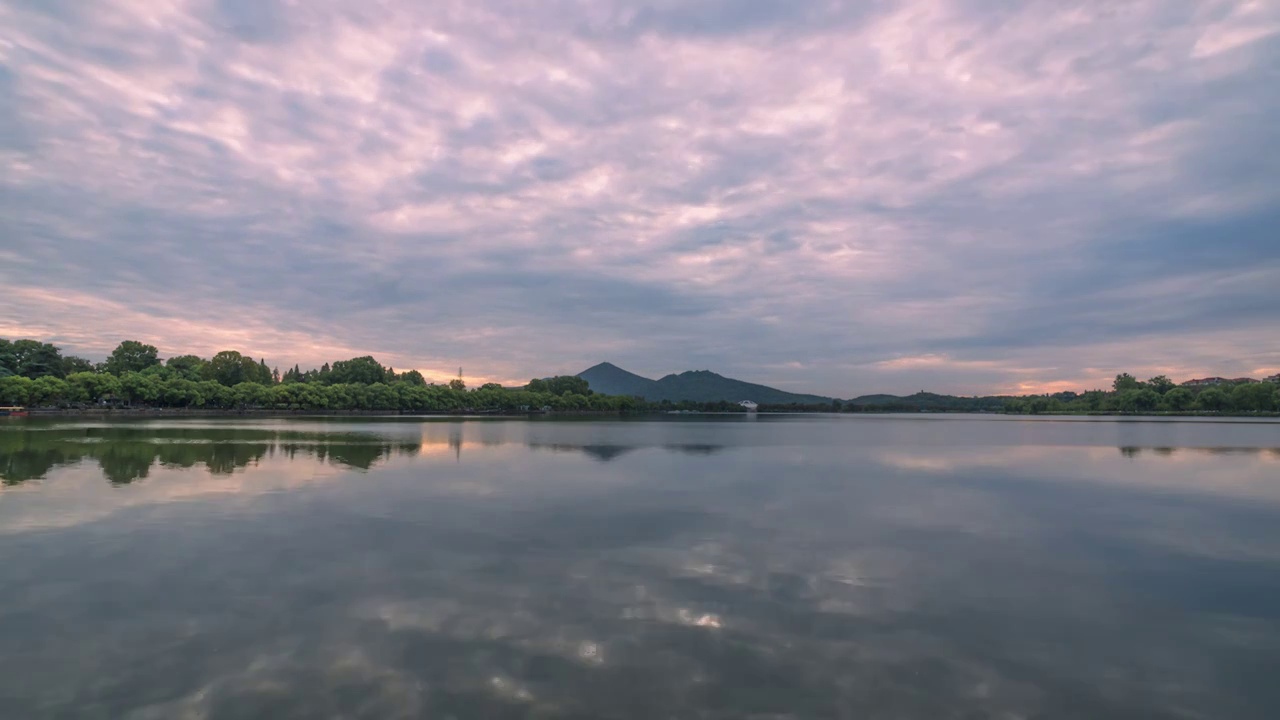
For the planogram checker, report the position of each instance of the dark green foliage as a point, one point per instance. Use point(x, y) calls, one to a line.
point(72, 365)
point(226, 368)
point(926, 402)
point(16, 390)
point(1235, 398)
point(190, 367)
point(30, 359)
point(560, 385)
point(1254, 397)
point(1125, 381)
point(1212, 399)
point(362, 371)
point(132, 356)
point(1179, 399)
point(1092, 400)
point(1139, 400)
point(229, 368)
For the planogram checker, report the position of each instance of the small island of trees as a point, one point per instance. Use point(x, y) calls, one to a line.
point(1158, 395)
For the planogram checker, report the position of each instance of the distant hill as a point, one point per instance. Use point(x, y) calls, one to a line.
point(610, 379)
point(695, 386)
point(927, 401)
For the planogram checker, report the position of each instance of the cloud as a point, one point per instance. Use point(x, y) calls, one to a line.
point(564, 588)
point(793, 193)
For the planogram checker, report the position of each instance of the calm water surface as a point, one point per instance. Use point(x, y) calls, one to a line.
point(720, 567)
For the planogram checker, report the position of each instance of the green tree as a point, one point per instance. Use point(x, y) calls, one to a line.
point(413, 377)
point(338, 397)
point(159, 373)
point(188, 367)
point(1029, 405)
point(182, 392)
point(263, 374)
point(72, 365)
point(1093, 400)
point(252, 394)
point(139, 387)
point(1253, 397)
point(16, 390)
point(1212, 400)
point(1179, 399)
point(281, 395)
point(1161, 384)
point(566, 384)
point(49, 390)
point(132, 356)
point(457, 385)
point(215, 394)
point(1143, 400)
point(8, 363)
point(227, 368)
point(92, 387)
point(576, 401)
point(382, 397)
point(30, 359)
point(1125, 381)
point(360, 371)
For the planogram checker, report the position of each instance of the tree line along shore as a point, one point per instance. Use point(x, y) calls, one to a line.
point(37, 375)
point(1128, 395)
point(134, 378)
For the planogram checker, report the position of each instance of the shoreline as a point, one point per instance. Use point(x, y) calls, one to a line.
point(264, 412)
point(127, 413)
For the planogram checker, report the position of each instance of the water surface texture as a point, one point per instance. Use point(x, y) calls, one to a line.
point(718, 567)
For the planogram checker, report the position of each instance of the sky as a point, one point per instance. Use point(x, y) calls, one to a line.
point(964, 196)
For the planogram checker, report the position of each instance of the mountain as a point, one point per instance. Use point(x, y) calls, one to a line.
point(695, 385)
point(610, 379)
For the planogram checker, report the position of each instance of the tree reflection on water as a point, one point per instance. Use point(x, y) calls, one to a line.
point(127, 454)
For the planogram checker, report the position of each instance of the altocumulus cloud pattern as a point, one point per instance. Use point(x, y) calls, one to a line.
point(831, 197)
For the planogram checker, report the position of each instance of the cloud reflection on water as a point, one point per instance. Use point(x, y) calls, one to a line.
point(801, 578)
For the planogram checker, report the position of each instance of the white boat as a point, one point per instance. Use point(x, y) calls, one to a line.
point(750, 406)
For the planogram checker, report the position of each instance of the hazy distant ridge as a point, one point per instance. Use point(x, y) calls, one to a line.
point(694, 385)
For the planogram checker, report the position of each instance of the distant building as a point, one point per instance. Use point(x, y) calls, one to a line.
point(1245, 381)
point(1205, 382)
point(1274, 379)
point(750, 406)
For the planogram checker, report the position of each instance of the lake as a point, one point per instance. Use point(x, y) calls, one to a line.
point(685, 567)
